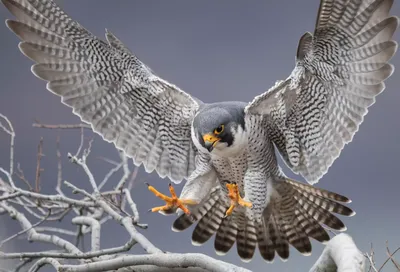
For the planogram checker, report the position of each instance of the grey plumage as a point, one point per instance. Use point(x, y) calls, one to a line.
point(109, 88)
point(212, 115)
point(292, 215)
point(308, 117)
point(339, 71)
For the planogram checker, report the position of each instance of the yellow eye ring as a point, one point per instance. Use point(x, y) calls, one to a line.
point(219, 130)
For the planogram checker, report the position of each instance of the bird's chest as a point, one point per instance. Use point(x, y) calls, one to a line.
point(231, 169)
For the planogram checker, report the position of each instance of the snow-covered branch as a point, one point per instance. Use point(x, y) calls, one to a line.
point(340, 254)
point(89, 210)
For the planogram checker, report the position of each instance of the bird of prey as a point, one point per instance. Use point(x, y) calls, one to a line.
point(225, 151)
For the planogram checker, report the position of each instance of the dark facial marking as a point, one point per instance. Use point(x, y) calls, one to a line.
point(219, 119)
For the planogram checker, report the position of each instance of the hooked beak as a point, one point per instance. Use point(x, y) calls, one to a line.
point(210, 141)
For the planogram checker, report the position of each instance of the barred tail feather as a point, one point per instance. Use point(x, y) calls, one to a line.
point(246, 241)
point(197, 212)
point(265, 244)
point(303, 187)
point(310, 226)
point(278, 238)
point(321, 215)
point(296, 212)
point(209, 224)
point(226, 236)
point(288, 223)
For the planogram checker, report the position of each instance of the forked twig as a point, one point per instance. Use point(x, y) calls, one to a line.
point(21, 176)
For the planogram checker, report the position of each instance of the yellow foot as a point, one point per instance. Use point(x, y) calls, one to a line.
point(234, 195)
point(172, 202)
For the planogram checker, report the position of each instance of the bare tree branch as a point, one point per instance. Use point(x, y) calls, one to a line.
point(59, 167)
point(42, 262)
point(38, 169)
point(60, 126)
point(34, 236)
point(22, 231)
point(132, 205)
point(9, 131)
point(389, 258)
point(90, 209)
point(86, 220)
point(341, 255)
point(394, 262)
point(21, 176)
point(171, 260)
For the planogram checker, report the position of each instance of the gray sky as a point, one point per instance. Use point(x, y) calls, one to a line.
point(215, 50)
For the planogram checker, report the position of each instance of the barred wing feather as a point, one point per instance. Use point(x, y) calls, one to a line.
point(109, 88)
point(339, 71)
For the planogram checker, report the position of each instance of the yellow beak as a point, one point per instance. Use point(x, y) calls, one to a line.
point(210, 140)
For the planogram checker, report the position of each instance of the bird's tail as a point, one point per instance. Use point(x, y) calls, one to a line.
point(295, 212)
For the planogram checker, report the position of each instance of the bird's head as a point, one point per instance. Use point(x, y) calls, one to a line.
point(220, 130)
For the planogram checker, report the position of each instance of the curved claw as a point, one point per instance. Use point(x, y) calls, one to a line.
point(236, 199)
point(171, 202)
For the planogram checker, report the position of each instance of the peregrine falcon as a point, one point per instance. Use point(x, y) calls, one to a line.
point(234, 186)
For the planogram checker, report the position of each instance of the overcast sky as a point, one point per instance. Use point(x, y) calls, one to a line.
point(215, 50)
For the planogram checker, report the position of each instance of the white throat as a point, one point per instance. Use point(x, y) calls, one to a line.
point(237, 148)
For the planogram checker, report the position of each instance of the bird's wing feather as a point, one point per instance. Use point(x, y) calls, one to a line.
point(109, 88)
point(339, 71)
point(202, 180)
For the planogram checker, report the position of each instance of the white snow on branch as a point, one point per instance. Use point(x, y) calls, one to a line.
point(92, 209)
point(340, 255)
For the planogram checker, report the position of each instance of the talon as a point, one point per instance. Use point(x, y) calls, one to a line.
point(236, 199)
point(172, 201)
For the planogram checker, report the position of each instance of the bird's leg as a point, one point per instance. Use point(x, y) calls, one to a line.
point(234, 195)
point(171, 202)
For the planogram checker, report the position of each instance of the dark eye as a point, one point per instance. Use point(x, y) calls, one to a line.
point(219, 129)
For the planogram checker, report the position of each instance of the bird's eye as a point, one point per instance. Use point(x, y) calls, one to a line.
point(219, 129)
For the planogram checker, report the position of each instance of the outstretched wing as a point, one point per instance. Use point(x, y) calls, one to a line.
point(109, 88)
point(339, 71)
